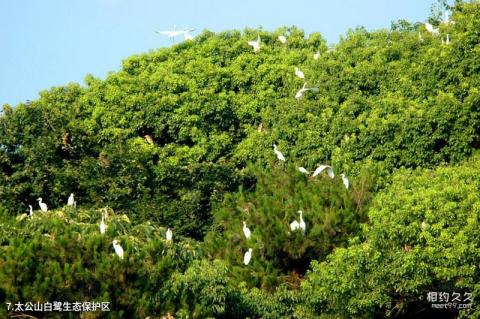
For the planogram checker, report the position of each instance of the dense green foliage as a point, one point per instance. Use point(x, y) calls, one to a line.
point(182, 137)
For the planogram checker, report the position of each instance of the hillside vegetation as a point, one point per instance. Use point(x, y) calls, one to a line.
point(182, 138)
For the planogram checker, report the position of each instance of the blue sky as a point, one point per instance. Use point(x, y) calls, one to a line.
point(45, 43)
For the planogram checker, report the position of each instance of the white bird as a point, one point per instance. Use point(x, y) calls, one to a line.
point(303, 170)
point(118, 248)
point(345, 180)
point(299, 73)
point(321, 168)
point(301, 224)
point(43, 206)
point(247, 256)
point(103, 227)
point(169, 234)
point(298, 225)
point(294, 225)
point(255, 44)
point(420, 38)
point(282, 39)
point(278, 153)
point(423, 225)
point(70, 201)
point(187, 36)
point(174, 33)
point(304, 89)
point(431, 29)
point(31, 210)
point(246, 230)
point(316, 55)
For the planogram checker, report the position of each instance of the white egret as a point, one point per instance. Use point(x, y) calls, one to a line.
point(316, 55)
point(303, 170)
point(298, 225)
point(299, 73)
point(278, 153)
point(103, 226)
point(169, 234)
point(345, 180)
point(246, 230)
point(282, 39)
point(174, 33)
point(294, 225)
point(43, 206)
point(301, 224)
point(70, 200)
point(255, 44)
point(424, 225)
point(321, 168)
point(118, 248)
point(31, 210)
point(304, 89)
point(431, 29)
point(247, 256)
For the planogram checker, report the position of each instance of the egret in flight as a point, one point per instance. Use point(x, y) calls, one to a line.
point(303, 170)
point(118, 248)
point(43, 206)
point(431, 29)
point(321, 168)
point(300, 92)
point(255, 44)
point(299, 73)
point(247, 256)
point(246, 230)
point(174, 33)
point(70, 201)
point(345, 180)
point(282, 39)
point(278, 153)
point(169, 234)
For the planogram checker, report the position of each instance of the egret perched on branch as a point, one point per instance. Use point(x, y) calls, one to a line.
point(316, 55)
point(299, 73)
point(301, 224)
point(303, 170)
point(43, 206)
point(431, 29)
point(300, 92)
point(321, 168)
point(447, 41)
point(103, 226)
point(118, 248)
point(70, 201)
point(298, 225)
point(278, 153)
point(255, 44)
point(345, 180)
point(31, 210)
point(282, 39)
point(247, 256)
point(169, 234)
point(246, 230)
